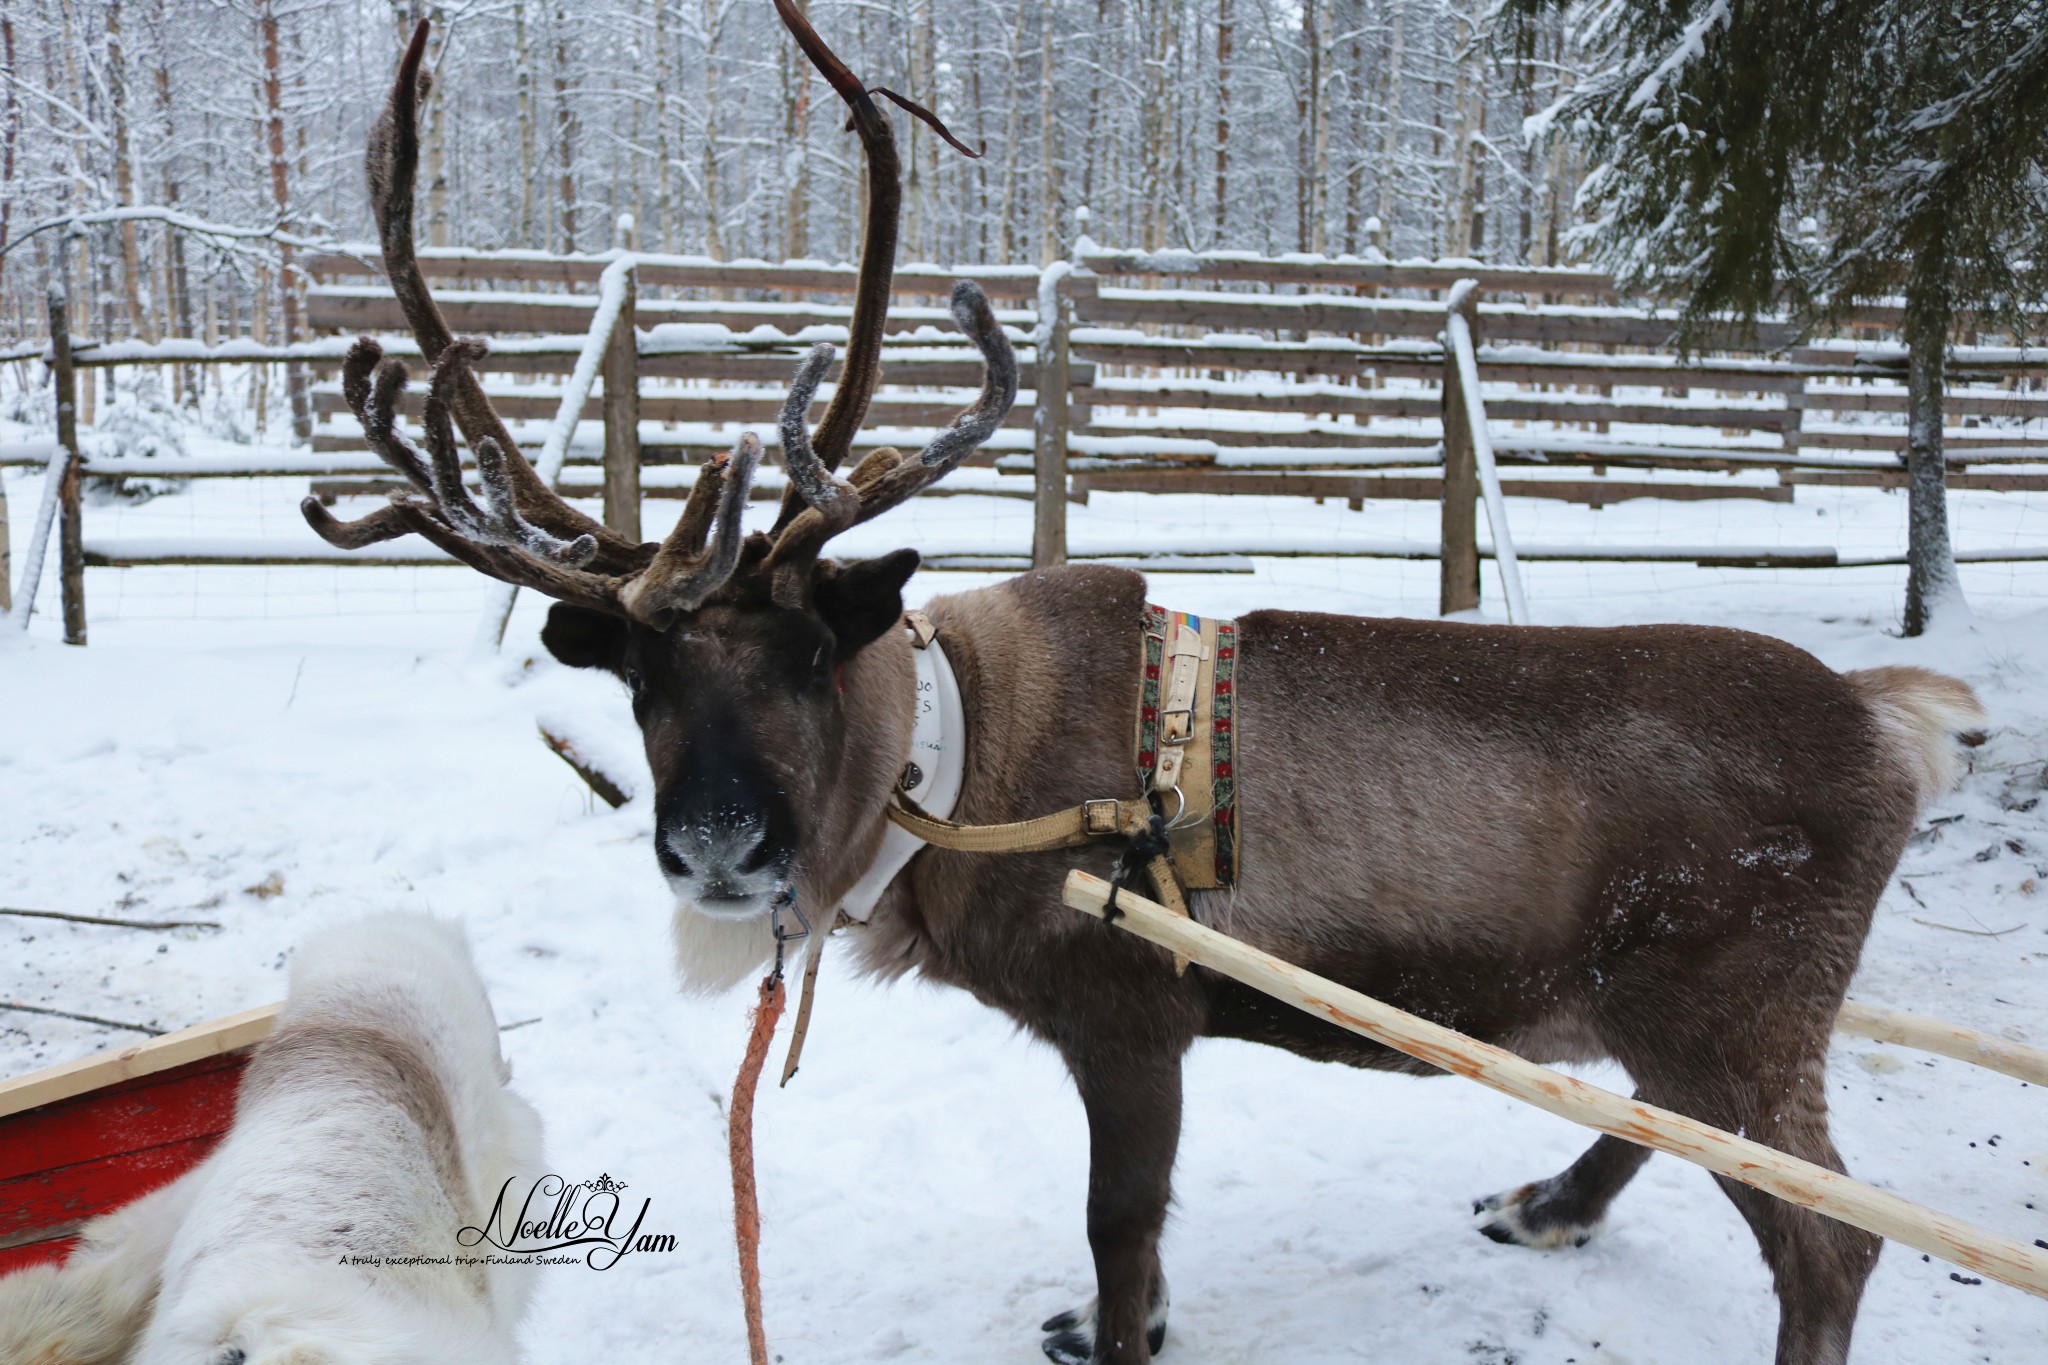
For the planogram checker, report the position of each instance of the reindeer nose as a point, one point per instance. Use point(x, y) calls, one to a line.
point(720, 850)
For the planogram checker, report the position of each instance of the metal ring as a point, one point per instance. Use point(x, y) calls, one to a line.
point(1179, 810)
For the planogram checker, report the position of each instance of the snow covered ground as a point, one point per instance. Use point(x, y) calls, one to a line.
point(272, 748)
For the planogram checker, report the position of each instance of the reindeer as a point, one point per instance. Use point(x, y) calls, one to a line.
point(1661, 845)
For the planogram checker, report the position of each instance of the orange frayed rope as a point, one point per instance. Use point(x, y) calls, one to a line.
point(746, 1195)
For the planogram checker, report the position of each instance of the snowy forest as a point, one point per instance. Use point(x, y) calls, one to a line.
point(1263, 125)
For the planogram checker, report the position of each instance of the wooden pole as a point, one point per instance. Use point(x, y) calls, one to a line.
point(1458, 564)
point(1786, 1177)
point(1461, 346)
point(1049, 422)
point(622, 413)
point(1944, 1039)
point(70, 541)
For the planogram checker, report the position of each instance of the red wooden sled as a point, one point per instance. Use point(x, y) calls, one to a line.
point(85, 1137)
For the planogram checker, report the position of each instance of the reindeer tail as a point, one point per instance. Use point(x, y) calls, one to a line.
point(1928, 719)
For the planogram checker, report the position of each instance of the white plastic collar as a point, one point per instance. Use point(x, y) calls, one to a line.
point(938, 746)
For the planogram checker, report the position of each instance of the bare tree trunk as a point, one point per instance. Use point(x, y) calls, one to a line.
point(1390, 146)
point(1226, 32)
point(714, 243)
point(1318, 38)
point(124, 172)
point(1354, 141)
point(796, 126)
point(529, 169)
point(1152, 126)
point(177, 305)
point(1465, 123)
point(1096, 136)
point(10, 124)
point(1048, 173)
point(565, 130)
point(288, 281)
point(661, 234)
point(1014, 97)
point(1932, 587)
point(917, 179)
point(980, 171)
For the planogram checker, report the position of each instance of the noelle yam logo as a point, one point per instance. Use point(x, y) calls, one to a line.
point(552, 1221)
point(556, 1222)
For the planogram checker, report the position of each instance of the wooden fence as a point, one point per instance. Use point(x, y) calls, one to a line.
point(1165, 372)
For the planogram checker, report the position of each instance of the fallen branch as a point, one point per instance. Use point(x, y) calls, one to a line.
point(1785, 1177)
point(116, 923)
point(80, 1018)
point(1958, 929)
point(1944, 1039)
point(607, 790)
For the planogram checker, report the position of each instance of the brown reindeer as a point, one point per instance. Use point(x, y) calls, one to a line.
point(1661, 845)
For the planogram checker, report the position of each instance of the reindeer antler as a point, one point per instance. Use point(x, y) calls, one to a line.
point(885, 479)
point(524, 533)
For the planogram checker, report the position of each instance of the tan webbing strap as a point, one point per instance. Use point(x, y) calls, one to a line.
point(803, 1008)
point(1167, 885)
point(1186, 650)
point(1062, 829)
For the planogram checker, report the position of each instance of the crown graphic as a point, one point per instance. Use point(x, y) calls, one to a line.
point(604, 1184)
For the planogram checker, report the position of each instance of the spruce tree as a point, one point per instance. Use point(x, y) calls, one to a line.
point(1758, 155)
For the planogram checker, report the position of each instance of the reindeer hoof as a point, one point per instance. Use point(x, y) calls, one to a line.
point(1071, 1339)
point(1527, 1217)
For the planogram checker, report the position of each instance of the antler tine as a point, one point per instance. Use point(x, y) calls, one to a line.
point(392, 164)
point(386, 523)
point(885, 479)
point(372, 383)
point(502, 524)
point(972, 428)
point(807, 473)
point(695, 523)
point(680, 578)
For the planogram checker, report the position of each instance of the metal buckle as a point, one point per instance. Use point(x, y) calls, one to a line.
point(1165, 737)
point(1099, 817)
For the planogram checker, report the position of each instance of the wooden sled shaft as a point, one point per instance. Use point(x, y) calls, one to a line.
point(1797, 1182)
point(1944, 1039)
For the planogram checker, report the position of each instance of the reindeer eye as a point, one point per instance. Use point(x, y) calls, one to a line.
point(634, 682)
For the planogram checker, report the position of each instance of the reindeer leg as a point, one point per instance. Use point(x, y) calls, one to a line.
point(1133, 1104)
point(1566, 1209)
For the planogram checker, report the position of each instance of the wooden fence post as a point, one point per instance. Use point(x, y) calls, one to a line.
point(1458, 563)
point(70, 543)
point(1049, 424)
point(622, 419)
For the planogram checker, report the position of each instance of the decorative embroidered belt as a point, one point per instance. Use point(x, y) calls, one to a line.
point(1186, 737)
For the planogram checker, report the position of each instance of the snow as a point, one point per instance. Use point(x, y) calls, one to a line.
point(327, 732)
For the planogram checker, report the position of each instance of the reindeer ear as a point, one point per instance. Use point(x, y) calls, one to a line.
point(862, 600)
point(582, 638)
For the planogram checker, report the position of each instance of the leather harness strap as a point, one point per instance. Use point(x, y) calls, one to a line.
point(1062, 829)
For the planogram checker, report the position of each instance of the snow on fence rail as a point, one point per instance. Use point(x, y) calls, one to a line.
point(1173, 372)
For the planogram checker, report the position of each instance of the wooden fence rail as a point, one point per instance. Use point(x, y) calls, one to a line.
point(1163, 372)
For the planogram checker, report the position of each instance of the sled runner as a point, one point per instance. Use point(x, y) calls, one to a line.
point(84, 1137)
